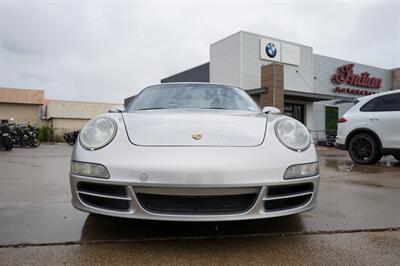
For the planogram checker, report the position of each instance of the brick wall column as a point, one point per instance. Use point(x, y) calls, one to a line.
point(396, 79)
point(272, 79)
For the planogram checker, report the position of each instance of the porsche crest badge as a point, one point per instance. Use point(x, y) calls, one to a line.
point(196, 136)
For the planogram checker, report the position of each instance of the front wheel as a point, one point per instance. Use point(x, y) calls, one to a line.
point(363, 149)
point(397, 156)
point(8, 146)
point(35, 142)
point(24, 142)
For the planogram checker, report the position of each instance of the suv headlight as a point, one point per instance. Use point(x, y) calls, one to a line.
point(97, 133)
point(293, 134)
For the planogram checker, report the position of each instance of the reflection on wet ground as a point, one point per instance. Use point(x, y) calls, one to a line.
point(97, 227)
point(342, 163)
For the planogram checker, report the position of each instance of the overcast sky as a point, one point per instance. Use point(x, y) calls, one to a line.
point(106, 51)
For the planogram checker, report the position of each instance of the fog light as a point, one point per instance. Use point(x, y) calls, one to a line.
point(89, 169)
point(301, 170)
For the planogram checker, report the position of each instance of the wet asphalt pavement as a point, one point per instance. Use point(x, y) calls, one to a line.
point(357, 220)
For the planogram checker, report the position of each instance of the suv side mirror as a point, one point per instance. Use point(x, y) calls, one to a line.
point(117, 109)
point(271, 110)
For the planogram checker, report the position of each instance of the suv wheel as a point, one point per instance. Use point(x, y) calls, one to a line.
point(397, 156)
point(363, 149)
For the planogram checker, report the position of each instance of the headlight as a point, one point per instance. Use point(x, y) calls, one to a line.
point(293, 134)
point(97, 133)
point(301, 170)
point(89, 169)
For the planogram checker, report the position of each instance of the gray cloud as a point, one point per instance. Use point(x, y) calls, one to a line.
point(104, 51)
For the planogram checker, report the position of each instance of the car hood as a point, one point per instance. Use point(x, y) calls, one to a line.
point(195, 128)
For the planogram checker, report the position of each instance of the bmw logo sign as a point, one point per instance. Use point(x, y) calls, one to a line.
point(271, 50)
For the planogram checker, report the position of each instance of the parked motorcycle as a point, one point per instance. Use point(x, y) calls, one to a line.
point(32, 133)
point(70, 137)
point(330, 140)
point(24, 135)
point(18, 136)
point(5, 137)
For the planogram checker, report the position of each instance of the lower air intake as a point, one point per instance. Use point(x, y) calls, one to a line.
point(286, 203)
point(105, 203)
point(173, 204)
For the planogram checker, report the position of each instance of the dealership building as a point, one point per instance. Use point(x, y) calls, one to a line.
point(312, 88)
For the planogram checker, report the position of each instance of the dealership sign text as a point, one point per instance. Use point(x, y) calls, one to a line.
point(345, 75)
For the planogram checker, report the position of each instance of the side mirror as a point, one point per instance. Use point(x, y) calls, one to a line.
point(117, 109)
point(271, 110)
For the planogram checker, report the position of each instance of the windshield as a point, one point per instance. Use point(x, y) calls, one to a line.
point(193, 96)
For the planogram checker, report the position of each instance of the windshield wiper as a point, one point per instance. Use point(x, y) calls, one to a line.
point(152, 108)
point(220, 108)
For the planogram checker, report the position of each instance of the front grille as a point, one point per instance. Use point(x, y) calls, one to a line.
point(104, 196)
point(286, 197)
point(179, 204)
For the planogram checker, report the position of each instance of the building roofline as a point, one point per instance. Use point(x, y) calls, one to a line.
point(262, 35)
point(22, 89)
point(265, 36)
point(186, 70)
point(47, 101)
point(388, 69)
point(233, 34)
point(21, 96)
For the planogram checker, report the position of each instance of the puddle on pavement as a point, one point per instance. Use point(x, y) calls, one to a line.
point(346, 165)
point(365, 183)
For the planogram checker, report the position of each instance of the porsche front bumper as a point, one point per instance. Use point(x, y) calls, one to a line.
point(179, 203)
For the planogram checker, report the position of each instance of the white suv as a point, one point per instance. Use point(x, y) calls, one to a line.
point(371, 128)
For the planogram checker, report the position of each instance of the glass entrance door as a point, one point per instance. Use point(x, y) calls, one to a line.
point(331, 118)
point(295, 110)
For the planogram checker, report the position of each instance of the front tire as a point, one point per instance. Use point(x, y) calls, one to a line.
point(24, 142)
point(35, 142)
point(364, 149)
point(8, 147)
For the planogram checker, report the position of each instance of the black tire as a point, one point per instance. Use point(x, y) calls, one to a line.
point(364, 149)
point(8, 147)
point(35, 142)
point(397, 156)
point(24, 142)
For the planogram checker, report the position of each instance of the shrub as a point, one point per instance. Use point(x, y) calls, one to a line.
point(46, 133)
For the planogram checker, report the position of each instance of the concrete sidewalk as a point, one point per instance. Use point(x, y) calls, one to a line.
point(368, 248)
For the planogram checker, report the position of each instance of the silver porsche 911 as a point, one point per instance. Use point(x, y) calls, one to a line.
point(194, 152)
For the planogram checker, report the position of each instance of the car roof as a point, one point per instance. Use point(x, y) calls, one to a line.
point(369, 97)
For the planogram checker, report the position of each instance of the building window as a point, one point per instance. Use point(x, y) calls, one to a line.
point(295, 110)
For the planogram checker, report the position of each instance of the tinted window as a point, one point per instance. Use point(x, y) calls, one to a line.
point(371, 106)
point(390, 102)
point(384, 103)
